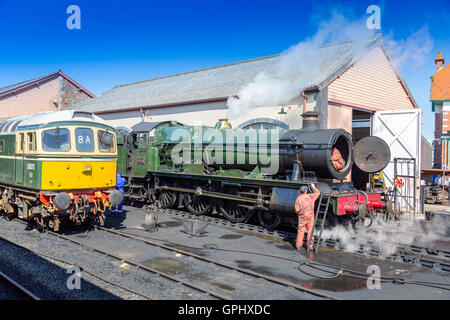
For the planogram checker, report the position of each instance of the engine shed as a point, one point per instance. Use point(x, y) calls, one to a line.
point(362, 93)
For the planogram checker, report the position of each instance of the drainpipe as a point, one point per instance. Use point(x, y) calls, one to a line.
point(304, 101)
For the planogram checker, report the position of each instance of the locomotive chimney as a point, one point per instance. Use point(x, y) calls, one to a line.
point(310, 120)
point(223, 124)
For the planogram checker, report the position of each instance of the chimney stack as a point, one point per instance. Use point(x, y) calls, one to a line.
point(310, 120)
point(439, 61)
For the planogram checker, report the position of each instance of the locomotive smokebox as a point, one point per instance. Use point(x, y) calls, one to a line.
point(317, 149)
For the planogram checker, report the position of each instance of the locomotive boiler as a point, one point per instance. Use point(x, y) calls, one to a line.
point(238, 173)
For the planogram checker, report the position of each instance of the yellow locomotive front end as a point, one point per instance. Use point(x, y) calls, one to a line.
point(63, 169)
point(79, 174)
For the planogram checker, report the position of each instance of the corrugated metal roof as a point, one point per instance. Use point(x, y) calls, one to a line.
point(212, 83)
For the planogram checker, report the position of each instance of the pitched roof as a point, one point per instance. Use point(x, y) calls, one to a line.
point(13, 124)
point(440, 84)
point(17, 87)
point(214, 83)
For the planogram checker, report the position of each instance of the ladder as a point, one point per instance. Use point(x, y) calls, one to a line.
point(324, 203)
point(377, 181)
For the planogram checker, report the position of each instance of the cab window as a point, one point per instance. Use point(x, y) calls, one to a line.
point(105, 141)
point(84, 139)
point(56, 140)
point(142, 140)
point(21, 142)
point(31, 141)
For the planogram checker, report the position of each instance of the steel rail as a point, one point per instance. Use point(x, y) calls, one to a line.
point(84, 270)
point(16, 285)
point(142, 266)
point(408, 254)
point(222, 264)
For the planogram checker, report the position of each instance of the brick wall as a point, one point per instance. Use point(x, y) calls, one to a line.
point(69, 94)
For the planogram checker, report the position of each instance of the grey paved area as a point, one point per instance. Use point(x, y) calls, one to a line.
point(258, 252)
point(273, 256)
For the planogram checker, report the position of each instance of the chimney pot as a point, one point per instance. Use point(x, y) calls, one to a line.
point(439, 61)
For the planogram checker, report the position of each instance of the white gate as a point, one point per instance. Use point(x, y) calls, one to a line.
point(402, 131)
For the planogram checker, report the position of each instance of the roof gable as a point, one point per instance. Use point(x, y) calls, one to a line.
point(17, 87)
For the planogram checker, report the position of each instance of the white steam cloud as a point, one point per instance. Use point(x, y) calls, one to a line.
point(300, 65)
point(384, 237)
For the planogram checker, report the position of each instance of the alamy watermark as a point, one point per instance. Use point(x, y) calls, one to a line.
point(374, 280)
point(74, 280)
point(374, 20)
point(74, 20)
point(248, 147)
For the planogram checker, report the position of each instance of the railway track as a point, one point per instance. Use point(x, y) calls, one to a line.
point(432, 258)
point(172, 278)
point(221, 264)
point(21, 291)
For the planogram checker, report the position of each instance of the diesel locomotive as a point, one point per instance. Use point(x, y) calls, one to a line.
point(240, 173)
point(57, 166)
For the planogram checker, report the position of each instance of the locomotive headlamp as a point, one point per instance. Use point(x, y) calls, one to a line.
point(62, 201)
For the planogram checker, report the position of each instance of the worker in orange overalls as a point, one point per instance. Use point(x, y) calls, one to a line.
point(336, 158)
point(304, 207)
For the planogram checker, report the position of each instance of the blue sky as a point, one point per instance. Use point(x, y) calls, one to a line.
point(126, 41)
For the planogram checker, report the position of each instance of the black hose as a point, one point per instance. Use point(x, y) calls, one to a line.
point(337, 275)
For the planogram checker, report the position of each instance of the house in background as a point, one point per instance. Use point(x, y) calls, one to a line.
point(51, 92)
point(440, 101)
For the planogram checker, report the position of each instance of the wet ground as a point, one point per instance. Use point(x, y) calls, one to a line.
point(276, 257)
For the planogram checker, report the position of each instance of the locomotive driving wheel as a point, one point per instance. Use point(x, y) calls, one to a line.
point(167, 198)
point(196, 203)
point(233, 210)
point(267, 220)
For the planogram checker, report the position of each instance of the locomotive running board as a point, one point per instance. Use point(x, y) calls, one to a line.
point(201, 192)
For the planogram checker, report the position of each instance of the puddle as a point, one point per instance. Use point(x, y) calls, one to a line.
point(200, 276)
point(167, 265)
point(223, 286)
point(285, 246)
point(170, 224)
point(335, 285)
point(261, 236)
point(230, 236)
point(197, 252)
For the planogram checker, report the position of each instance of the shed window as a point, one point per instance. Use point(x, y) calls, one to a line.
point(105, 141)
point(85, 139)
point(31, 141)
point(56, 140)
point(2, 145)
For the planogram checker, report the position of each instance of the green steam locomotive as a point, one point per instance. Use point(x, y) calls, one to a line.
point(241, 173)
